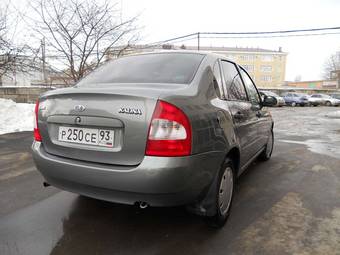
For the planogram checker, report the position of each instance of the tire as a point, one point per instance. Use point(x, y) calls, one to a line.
point(224, 193)
point(293, 104)
point(328, 103)
point(267, 152)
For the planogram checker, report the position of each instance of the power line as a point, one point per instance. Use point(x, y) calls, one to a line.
point(256, 34)
point(274, 32)
point(270, 36)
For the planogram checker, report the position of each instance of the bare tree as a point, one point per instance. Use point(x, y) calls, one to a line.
point(13, 58)
point(332, 67)
point(79, 34)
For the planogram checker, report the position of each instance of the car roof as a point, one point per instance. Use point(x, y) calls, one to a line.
point(198, 52)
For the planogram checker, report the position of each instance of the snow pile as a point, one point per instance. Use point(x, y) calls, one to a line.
point(335, 115)
point(15, 117)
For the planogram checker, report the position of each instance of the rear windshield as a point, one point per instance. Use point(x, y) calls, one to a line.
point(150, 68)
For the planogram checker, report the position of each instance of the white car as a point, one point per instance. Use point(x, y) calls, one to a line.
point(324, 99)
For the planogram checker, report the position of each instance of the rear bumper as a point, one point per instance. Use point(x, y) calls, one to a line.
point(304, 102)
point(159, 181)
point(281, 103)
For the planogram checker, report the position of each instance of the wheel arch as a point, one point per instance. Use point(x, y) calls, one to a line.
point(234, 156)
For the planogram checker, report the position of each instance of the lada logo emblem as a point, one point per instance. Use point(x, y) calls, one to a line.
point(79, 108)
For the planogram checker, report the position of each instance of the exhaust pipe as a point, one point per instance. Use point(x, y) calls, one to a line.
point(143, 205)
point(45, 184)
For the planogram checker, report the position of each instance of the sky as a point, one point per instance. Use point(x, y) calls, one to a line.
point(161, 20)
point(306, 55)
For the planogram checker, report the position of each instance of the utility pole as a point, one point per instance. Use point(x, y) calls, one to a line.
point(198, 41)
point(43, 57)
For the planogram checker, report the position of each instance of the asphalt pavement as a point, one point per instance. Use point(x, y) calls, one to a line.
point(288, 205)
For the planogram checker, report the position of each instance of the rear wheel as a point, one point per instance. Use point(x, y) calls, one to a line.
point(328, 103)
point(224, 195)
point(293, 104)
point(267, 152)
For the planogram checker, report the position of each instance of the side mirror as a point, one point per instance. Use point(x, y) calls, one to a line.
point(269, 101)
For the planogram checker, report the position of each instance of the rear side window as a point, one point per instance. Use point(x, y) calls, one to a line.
point(149, 68)
point(233, 83)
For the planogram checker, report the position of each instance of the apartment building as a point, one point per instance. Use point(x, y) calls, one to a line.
point(266, 67)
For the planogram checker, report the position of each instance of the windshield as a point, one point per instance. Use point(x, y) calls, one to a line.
point(177, 68)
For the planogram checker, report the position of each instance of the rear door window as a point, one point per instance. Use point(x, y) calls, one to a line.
point(232, 82)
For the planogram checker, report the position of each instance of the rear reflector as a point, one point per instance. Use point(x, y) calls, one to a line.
point(169, 132)
point(37, 136)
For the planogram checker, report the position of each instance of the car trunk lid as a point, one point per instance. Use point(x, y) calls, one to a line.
point(125, 112)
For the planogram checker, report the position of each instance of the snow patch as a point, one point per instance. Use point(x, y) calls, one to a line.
point(335, 115)
point(15, 117)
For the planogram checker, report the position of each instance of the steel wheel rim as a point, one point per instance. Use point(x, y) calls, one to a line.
point(269, 146)
point(226, 191)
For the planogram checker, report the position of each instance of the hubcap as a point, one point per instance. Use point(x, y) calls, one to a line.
point(269, 146)
point(226, 190)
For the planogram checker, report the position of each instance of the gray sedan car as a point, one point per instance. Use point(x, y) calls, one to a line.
point(157, 129)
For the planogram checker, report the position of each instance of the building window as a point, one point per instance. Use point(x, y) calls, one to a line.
point(266, 78)
point(267, 58)
point(247, 57)
point(266, 69)
point(249, 68)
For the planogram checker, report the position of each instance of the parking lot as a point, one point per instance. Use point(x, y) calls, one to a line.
point(288, 205)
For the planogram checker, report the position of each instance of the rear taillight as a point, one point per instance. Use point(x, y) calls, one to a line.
point(169, 132)
point(37, 136)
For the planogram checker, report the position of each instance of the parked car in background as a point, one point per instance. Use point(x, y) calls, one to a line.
point(158, 129)
point(314, 101)
point(336, 96)
point(279, 100)
point(294, 99)
point(325, 99)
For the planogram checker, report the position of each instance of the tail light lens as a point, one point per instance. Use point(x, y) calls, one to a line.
point(37, 136)
point(169, 132)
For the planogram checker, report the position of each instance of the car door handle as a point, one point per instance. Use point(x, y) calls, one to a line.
point(238, 115)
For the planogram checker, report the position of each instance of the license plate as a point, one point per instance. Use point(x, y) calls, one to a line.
point(88, 136)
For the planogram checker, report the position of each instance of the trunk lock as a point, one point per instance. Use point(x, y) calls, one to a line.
point(77, 120)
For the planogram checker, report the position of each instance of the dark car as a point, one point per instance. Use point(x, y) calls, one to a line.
point(158, 129)
point(294, 99)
